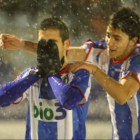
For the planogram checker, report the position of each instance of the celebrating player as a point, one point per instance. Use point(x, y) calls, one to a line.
point(58, 100)
point(116, 66)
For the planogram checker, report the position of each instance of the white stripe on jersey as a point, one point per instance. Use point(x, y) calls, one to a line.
point(113, 116)
point(88, 90)
point(69, 123)
point(34, 123)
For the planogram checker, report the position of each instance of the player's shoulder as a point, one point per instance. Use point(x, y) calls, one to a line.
point(135, 56)
point(66, 70)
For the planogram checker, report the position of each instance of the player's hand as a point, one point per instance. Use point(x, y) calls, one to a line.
point(9, 41)
point(83, 65)
point(48, 61)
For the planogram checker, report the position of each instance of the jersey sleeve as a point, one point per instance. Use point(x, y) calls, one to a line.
point(93, 50)
point(20, 76)
point(134, 68)
point(14, 91)
point(73, 92)
point(82, 81)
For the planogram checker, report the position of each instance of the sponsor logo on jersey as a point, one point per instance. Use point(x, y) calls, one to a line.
point(48, 113)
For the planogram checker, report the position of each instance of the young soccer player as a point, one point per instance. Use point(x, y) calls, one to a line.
point(116, 66)
point(58, 100)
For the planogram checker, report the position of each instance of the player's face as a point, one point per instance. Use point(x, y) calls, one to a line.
point(118, 43)
point(54, 34)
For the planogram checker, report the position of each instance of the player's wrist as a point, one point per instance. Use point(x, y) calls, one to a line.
point(22, 44)
point(95, 70)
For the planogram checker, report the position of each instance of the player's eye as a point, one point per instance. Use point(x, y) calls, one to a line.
point(108, 35)
point(117, 39)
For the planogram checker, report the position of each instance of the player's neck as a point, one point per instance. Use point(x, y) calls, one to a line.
point(65, 63)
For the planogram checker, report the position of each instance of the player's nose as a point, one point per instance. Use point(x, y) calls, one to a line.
point(110, 43)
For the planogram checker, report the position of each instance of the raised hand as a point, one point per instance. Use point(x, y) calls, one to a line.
point(9, 41)
point(48, 61)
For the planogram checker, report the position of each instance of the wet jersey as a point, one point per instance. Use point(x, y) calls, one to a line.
point(125, 118)
point(46, 117)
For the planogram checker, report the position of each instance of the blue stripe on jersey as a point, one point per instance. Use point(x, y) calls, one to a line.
point(134, 65)
point(28, 127)
point(97, 58)
point(79, 128)
point(114, 70)
point(101, 44)
point(137, 137)
point(123, 121)
point(47, 130)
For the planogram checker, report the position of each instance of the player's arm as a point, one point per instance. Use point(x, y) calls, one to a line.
point(9, 41)
point(121, 91)
point(11, 91)
point(76, 53)
point(29, 46)
point(74, 94)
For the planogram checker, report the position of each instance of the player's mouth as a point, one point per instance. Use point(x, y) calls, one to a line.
point(111, 50)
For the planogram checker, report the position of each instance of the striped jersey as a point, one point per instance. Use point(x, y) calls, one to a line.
point(125, 118)
point(46, 118)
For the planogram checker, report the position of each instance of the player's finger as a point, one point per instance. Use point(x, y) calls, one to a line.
point(78, 68)
point(2, 37)
point(1, 41)
point(75, 66)
point(6, 37)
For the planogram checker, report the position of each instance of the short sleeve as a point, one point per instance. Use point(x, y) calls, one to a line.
point(93, 50)
point(134, 67)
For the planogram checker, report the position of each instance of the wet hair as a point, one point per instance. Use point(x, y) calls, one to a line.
point(55, 23)
point(128, 21)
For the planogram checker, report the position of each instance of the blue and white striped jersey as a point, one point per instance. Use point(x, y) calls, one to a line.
point(125, 118)
point(46, 117)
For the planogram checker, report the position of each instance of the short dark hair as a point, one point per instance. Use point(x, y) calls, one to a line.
point(55, 23)
point(128, 21)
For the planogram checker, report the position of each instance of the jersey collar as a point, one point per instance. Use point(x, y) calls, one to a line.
point(65, 70)
point(120, 61)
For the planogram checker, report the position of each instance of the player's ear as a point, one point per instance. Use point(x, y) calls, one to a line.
point(67, 44)
point(134, 40)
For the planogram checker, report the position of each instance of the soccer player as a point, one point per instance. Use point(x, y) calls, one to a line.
point(116, 66)
point(58, 100)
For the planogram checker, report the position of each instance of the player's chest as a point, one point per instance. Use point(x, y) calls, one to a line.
point(43, 102)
